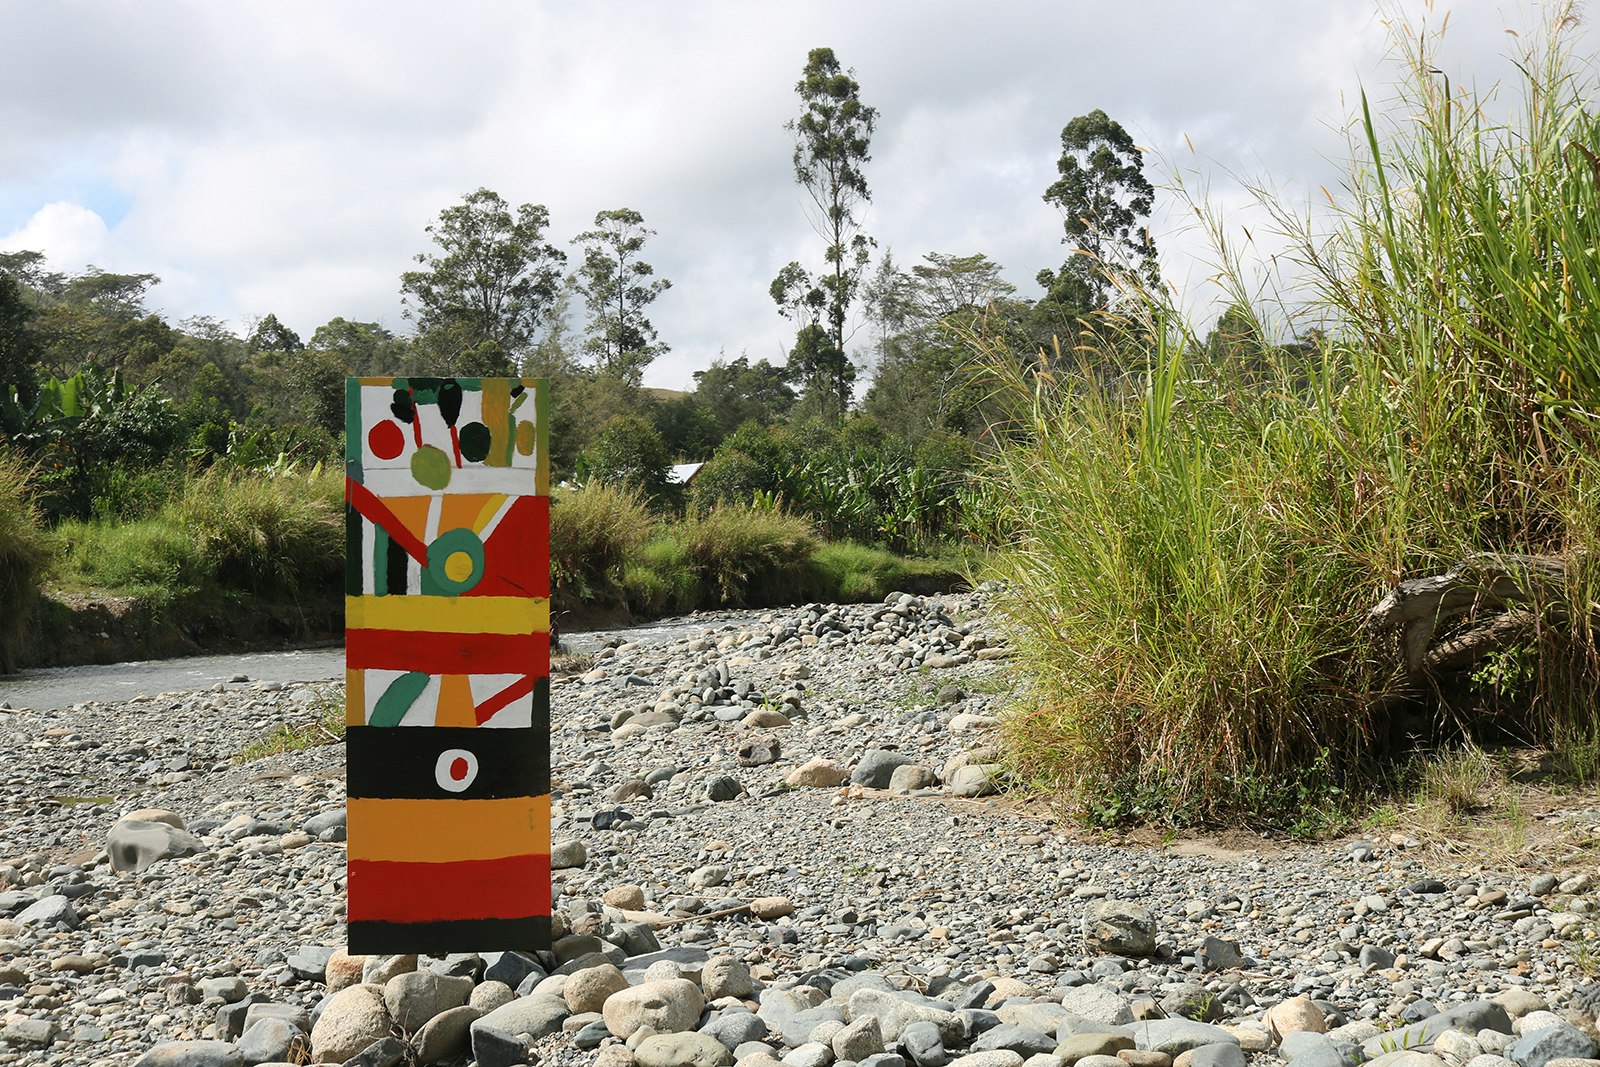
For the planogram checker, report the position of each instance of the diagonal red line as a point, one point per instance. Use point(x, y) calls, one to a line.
point(519, 688)
point(376, 511)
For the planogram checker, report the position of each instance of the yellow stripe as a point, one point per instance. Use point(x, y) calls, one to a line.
point(449, 614)
point(442, 831)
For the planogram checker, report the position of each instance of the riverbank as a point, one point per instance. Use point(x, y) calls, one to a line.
point(793, 813)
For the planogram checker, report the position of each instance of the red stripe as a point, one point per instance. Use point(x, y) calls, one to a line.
point(455, 445)
point(416, 416)
point(376, 511)
point(512, 888)
point(519, 688)
point(446, 653)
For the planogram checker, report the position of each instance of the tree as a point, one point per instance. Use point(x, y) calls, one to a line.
point(271, 335)
point(19, 347)
point(1105, 201)
point(741, 391)
point(617, 286)
point(630, 453)
point(365, 348)
point(824, 373)
point(480, 298)
point(833, 139)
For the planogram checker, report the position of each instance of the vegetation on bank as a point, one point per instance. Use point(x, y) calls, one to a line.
point(1192, 549)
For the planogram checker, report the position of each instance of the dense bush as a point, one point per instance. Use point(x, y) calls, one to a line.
point(594, 531)
point(1191, 553)
point(744, 555)
point(266, 536)
point(148, 557)
point(24, 556)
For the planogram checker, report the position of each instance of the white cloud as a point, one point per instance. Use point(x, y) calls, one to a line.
point(70, 234)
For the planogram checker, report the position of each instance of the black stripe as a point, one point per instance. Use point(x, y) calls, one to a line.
point(352, 551)
point(395, 564)
point(398, 762)
point(375, 937)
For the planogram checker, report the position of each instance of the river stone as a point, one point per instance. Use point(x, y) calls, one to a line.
point(669, 1006)
point(352, 1019)
point(161, 815)
point(1469, 1018)
point(418, 996)
point(858, 1040)
point(1295, 1015)
point(1221, 1055)
point(626, 897)
point(924, 1044)
point(489, 995)
point(568, 854)
point(757, 752)
point(1078, 1046)
point(272, 1039)
point(806, 1026)
point(1457, 1047)
point(896, 1011)
point(377, 970)
point(974, 780)
point(1119, 928)
point(344, 970)
point(588, 989)
point(724, 976)
point(310, 962)
point(735, 1028)
point(876, 767)
point(994, 1058)
point(445, 1035)
point(1023, 1039)
point(1097, 1002)
point(818, 773)
point(48, 911)
point(1519, 1002)
point(1173, 1036)
point(134, 844)
point(1406, 1058)
point(1560, 1041)
point(192, 1054)
point(682, 1050)
point(909, 777)
point(535, 1016)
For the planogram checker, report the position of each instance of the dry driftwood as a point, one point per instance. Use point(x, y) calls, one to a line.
point(1504, 598)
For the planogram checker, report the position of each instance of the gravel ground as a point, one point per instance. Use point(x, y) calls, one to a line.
point(779, 840)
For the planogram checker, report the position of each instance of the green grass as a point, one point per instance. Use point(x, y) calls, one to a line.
point(321, 723)
point(1190, 550)
point(274, 537)
point(24, 557)
point(743, 555)
point(152, 558)
point(594, 532)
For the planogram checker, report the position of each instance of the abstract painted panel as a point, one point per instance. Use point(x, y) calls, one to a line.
point(447, 657)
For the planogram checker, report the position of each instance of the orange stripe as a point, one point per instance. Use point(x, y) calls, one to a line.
point(447, 830)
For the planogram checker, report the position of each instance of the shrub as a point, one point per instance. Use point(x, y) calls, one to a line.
point(266, 536)
point(746, 555)
point(661, 580)
point(1190, 553)
point(594, 531)
point(150, 557)
point(24, 556)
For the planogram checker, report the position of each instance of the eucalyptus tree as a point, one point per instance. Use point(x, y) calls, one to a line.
point(617, 285)
point(832, 144)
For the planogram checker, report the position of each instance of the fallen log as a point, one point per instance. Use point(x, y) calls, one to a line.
point(1505, 596)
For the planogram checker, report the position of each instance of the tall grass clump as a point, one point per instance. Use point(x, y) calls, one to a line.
point(24, 556)
point(594, 531)
point(266, 536)
point(148, 557)
point(745, 555)
point(1191, 548)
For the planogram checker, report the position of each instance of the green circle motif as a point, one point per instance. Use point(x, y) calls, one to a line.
point(475, 441)
point(430, 467)
point(446, 545)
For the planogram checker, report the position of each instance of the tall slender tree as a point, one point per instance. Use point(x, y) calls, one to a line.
point(832, 143)
point(1105, 202)
point(617, 286)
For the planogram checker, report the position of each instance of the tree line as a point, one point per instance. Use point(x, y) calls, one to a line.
point(102, 390)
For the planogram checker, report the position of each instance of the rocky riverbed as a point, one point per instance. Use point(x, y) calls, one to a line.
point(778, 841)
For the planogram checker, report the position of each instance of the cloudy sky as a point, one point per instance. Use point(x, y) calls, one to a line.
point(285, 156)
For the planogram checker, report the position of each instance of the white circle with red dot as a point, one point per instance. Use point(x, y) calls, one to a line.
point(455, 769)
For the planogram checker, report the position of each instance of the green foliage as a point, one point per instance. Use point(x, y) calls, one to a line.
point(630, 454)
point(152, 558)
point(594, 531)
point(489, 286)
point(1190, 554)
point(738, 392)
point(321, 722)
point(19, 346)
point(856, 573)
point(24, 556)
point(270, 537)
point(617, 286)
point(661, 580)
point(749, 555)
point(833, 140)
point(1104, 199)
